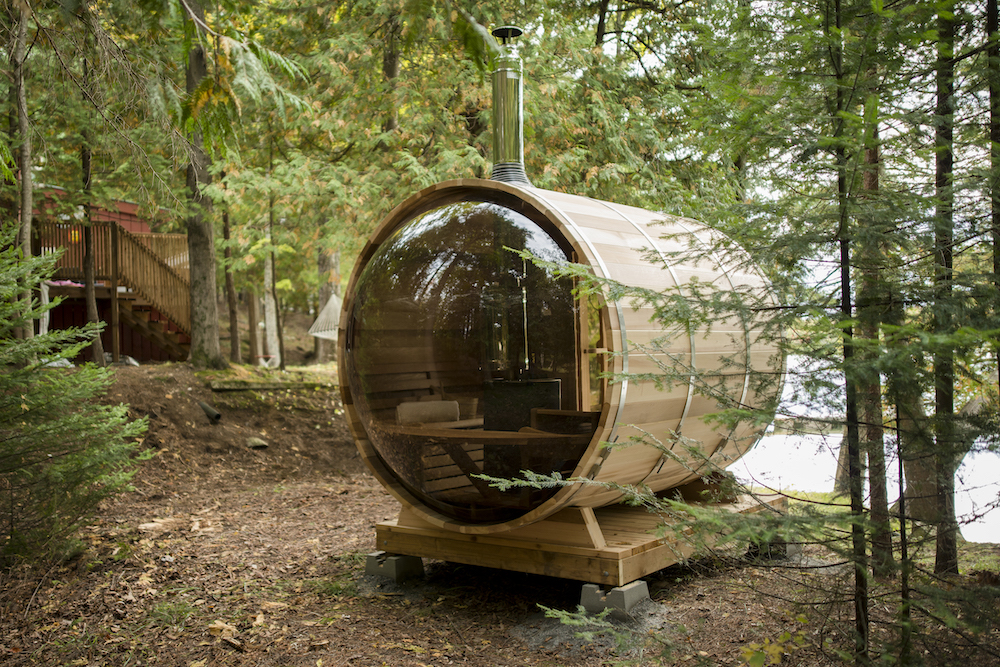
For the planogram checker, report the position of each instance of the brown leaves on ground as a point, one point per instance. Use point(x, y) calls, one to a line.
point(229, 553)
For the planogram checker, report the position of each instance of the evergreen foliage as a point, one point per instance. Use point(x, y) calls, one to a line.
point(61, 451)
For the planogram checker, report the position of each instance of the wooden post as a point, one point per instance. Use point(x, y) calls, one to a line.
point(115, 342)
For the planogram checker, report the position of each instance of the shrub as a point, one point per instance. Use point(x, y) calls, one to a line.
point(61, 452)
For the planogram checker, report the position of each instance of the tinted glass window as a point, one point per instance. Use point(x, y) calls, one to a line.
point(462, 359)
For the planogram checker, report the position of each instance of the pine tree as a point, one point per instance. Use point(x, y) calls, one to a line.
point(62, 450)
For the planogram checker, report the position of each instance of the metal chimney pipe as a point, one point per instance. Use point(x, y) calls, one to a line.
point(508, 112)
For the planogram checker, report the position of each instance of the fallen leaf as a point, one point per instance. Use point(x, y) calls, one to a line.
point(235, 643)
point(220, 628)
point(273, 605)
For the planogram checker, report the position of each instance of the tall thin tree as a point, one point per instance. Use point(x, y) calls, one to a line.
point(993, 75)
point(89, 261)
point(946, 459)
point(871, 297)
point(205, 349)
point(19, 58)
point(834, 29)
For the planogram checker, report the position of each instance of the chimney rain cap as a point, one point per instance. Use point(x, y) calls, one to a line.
point(505, 32)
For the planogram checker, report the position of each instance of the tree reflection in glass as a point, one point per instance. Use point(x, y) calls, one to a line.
point(444, 313)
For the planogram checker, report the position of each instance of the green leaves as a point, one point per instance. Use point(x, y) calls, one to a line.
point(6, 161)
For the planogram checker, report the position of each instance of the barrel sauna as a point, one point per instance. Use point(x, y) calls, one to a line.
point(460, 358)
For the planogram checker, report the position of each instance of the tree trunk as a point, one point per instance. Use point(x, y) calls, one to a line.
point(89, 269)
point(993, 75)
point(946, 450)
point(205, 349)
point(917, 452)
point(24, 157)
point(842, 478)
point(602, 21)
point(855, 474)
point(870, 293)
point(252, 321)
point(235, 354)
point(9, 199)
point(280, 328)
point(271, 314)
point(390, 72)
point(858, 542)
point(905, 616)
point(915, 438)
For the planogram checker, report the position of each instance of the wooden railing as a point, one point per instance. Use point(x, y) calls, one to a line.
point(154, 266)
point(171, 248)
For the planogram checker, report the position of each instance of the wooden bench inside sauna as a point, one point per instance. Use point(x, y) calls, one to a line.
point(452, 427)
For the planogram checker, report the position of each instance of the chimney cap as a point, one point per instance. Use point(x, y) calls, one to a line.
point(505, 32)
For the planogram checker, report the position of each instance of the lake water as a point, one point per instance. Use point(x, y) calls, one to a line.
point(808, 463)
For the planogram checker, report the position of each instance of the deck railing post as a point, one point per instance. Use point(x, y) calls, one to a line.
point(115, 343)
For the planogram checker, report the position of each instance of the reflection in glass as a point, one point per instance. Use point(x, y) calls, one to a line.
point(463, 359)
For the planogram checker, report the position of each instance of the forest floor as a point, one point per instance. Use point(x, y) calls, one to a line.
point(244, 543)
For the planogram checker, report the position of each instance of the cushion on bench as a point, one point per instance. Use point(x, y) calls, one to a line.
point(421, 412)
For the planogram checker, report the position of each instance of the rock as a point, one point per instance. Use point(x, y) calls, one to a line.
point(256, 443)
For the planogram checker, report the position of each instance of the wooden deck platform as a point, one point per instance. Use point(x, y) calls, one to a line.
point(142, 282)
point(612, 546)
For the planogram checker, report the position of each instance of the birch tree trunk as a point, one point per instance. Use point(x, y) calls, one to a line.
point(271, 314)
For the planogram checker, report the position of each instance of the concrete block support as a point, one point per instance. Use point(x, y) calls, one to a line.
point(395, 567)
point(776, 549)
point(621, 598)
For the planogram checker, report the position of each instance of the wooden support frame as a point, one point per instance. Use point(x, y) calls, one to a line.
point(612, 546)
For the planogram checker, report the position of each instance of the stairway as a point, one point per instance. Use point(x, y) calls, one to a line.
point(142, 317)
point(148, 273)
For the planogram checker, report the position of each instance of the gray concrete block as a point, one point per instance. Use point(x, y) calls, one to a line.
point(592, 598)
point(776, 549)
point(621, 598)
point(394, 566)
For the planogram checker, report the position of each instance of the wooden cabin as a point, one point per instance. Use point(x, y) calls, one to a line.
point(142, 279)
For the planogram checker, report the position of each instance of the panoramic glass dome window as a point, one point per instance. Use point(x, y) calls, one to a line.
point(457, 346)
